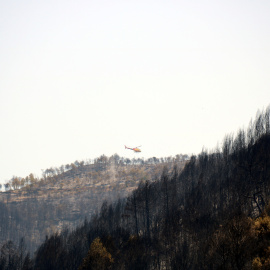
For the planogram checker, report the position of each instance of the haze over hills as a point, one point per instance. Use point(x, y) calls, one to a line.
point(213, 214)
point(209, 211)
point(33, 208)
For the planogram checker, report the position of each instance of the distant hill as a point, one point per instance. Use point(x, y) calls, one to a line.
point(33, 208)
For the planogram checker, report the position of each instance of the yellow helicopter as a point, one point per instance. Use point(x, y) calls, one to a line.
point(135, 149)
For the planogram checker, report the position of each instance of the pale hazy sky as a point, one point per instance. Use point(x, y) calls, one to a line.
point(79, 79)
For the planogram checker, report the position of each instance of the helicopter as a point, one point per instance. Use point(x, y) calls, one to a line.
point(135, 149)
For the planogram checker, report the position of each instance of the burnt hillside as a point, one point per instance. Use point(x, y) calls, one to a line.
point(33, 208)
point(210, 215)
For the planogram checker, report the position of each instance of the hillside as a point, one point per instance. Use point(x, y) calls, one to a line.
point(33, 208)
point(209, 212)
point(213, 214)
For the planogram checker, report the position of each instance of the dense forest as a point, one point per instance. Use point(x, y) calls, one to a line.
point(212, 214)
